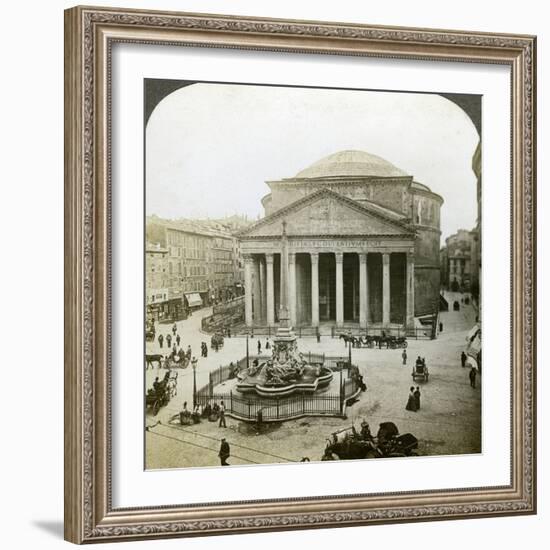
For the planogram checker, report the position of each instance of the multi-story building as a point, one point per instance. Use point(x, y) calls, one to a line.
point(163, 300)
point(459, 269)
point(200, 260)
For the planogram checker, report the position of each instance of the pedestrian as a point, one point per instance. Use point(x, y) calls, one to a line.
point(267, 344)
point(411, 402)
point(417, 398)
point(259, 347)
point(228, 332)
point(440, 327)
point(205, 349)
point(168, 341)
point(318, 336)
point(404, 356)
point(178, 340)
point(188, 353)
point(161, 339)
point(174, 329)
point(463, 358)
point(473, 377)
point(222, 423)
point(225, 452)
point(259, 420)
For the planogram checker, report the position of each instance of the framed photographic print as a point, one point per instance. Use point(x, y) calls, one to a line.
point(287, 243)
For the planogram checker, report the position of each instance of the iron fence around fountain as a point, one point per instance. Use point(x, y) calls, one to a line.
point(247, 407)
point(274, 410)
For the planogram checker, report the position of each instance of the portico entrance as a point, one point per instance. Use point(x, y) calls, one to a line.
point(369, 288)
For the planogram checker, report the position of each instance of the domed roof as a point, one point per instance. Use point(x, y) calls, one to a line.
point(351, 163)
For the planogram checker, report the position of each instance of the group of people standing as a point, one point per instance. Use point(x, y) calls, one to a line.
point(413, 402)
point(267, 345)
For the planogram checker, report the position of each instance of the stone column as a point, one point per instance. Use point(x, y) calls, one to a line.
point(363, 290)
point(263, 302)
point(292, 287)
point(339, 288)
point(385, 289)
point(410, 291)
point(248, 290)
point(270, 298)
point(314, 256)
point(257, 292)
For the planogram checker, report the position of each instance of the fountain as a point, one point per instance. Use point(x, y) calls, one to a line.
point(286, 372)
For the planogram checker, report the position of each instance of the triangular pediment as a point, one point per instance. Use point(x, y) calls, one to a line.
point(328, 213)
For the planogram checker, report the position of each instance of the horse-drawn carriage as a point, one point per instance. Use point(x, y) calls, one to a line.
point(216, 342)
point(420, 370)
point(162, 391)
point(353, 445)
point(375, 341)
point(150, 331)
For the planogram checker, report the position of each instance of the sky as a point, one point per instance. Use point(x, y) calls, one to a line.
point(211, 147)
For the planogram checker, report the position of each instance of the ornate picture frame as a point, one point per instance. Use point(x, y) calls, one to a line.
point(90, 34)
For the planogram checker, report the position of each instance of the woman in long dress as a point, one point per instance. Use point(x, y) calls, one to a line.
point(411, 402)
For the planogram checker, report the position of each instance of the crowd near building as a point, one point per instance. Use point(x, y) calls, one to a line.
point(364, 242)
point(189, 264)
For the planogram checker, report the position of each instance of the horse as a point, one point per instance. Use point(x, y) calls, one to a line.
point(152, 358)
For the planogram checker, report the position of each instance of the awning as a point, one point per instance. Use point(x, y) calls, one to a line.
point(194, 299)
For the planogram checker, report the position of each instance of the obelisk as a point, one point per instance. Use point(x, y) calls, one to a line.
point(285, 330)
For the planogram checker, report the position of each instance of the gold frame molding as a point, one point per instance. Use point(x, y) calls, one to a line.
point(89, 35)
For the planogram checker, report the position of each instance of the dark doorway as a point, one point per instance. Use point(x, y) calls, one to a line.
point(351, 287)
point(327, 287)
point(398, 296)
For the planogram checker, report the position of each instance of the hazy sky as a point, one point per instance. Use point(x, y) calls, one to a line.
point(211, 147)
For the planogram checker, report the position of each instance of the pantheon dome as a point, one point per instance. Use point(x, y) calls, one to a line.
point(351, 163)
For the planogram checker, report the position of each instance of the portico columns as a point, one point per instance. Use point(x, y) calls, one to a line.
point(257, 298)
point(410, 291)
point(248, 291)
point(263, 301)
point(270, 298)
point(314, 256)
point(363, 300)
point(339, 288)
point(385, 289)
point(292, 287)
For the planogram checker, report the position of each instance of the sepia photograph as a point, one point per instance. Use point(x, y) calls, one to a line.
point(312, 274)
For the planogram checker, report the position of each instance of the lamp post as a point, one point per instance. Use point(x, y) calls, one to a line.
point(194, 365)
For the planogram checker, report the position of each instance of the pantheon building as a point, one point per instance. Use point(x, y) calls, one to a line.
point(363, 241)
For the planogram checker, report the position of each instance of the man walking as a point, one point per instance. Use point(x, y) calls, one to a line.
point(473, 377)
point(225, 452)
point(463, 358)
point(259, 347)
point(222, 423)
point(178, 340)
point(161, 339)
point(404, 356)
point(168, 341)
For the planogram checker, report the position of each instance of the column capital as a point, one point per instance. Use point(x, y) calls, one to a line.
point(314, 257)
point(269, 258)
point(248, 258)
point(362, 257)
point(291, 257)
point(386, 257)
point(339, 257)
